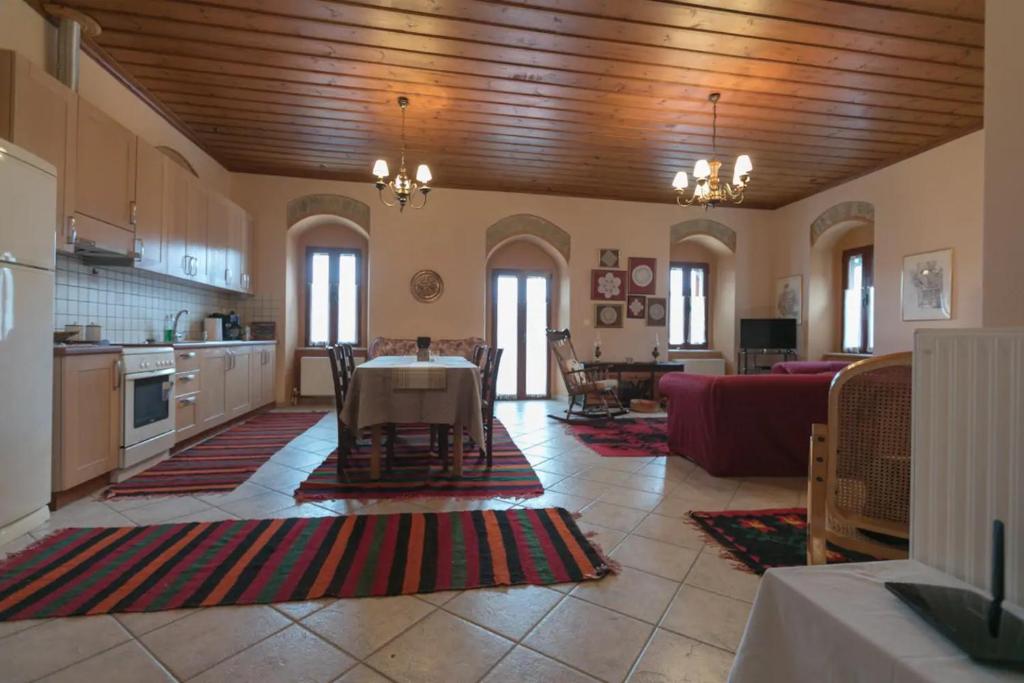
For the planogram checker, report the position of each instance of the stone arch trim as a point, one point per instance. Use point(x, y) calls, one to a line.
point(841, 213)
point(528, 224)
point(330, 205)
point(704, 226)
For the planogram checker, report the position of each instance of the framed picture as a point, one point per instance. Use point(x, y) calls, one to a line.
point(926, 289)
point(636, 307)
point(789, 297)
point(607, 285)
point(608, 258)
point(643, 275)
point(607, 315)
point(657, 311)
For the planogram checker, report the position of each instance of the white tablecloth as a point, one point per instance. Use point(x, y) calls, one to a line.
point(839, 623)
point(385, 390)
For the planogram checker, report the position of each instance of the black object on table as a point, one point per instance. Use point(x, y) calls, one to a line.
point(637, 379)
point(750, 362)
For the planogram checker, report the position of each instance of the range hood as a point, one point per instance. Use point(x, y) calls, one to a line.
point(94, 255)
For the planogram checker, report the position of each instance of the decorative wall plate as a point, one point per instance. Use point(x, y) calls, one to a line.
point(608, 315)
point(636, 307)
point(609, 258)
point(607, 285)
point(426, 286)
point(643, 275)
point(656, 311)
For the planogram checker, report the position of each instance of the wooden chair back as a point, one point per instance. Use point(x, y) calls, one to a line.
point(480, 355)
point(489, 380)
point(337, 374)
point(573, 374)
point(349, 363)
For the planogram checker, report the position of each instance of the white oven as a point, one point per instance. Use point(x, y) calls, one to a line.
point(148, 379)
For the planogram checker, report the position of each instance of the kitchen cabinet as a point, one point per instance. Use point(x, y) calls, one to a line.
point(248, 252)
point(261, 375)
point(87, 417)
point(212, 401)
point(150, 238)
point(175, 218)
point(236, 382)
point(196, 231)
point(38, 112)
point(218, 219)
point(268, 375)
point(235, 273)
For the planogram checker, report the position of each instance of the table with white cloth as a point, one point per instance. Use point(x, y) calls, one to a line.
point(401, 390)
point(839, 623)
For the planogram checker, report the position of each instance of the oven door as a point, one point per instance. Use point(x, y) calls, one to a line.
point(148, 405)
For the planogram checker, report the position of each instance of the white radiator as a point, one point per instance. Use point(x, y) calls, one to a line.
point(315, 376)
point(968, 452)
point(704, 366)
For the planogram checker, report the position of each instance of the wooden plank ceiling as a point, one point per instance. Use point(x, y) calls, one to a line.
point(595, 98)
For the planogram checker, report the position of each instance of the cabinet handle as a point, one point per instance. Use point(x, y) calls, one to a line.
point(118, 370)
point(227, 275)
point(72, 230)
point(195, 266)
point(187, 354)
point(184, 264)
point(140, 248)
point(133, 213)
point(187, 378)
point(187, 401)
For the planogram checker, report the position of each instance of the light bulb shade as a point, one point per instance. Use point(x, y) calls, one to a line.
point(423, 174)
point(743, 165)
point(680, 181)
point(702, 169)
point(380, 168)
point(737, 179)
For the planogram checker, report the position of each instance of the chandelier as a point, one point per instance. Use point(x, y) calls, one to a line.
point(403, 188)
point(710, 190)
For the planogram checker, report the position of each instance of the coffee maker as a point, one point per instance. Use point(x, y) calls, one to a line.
point(230, 324)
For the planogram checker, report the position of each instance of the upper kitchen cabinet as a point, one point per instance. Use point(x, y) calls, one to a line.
point(248, 252)
point(236, 273)
point(151, 239)
point(38, 112)
point(196, 231)
point(218, 222)
point(175, 218)
point(104, 180)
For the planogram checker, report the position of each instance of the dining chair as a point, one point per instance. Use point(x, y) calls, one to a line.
point(488, 395)
point(859, 484)
point(340, 379)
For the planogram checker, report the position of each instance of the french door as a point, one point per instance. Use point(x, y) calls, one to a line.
point(520, 317)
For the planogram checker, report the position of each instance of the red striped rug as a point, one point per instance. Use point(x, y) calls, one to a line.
point(625, 437)
point(239, 562)
point(417, 473)
point(223, 462)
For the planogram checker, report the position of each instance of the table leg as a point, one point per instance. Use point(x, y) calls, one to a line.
point(375, 452)
point(457, 454)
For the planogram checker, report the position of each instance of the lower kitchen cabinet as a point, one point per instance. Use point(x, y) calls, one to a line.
point(213, 366)
point(236, 382)
point(87, 418)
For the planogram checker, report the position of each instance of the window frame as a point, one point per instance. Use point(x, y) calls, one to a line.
point(867, 254)
point(333, 276)
point(521, 276)
point(687, 298)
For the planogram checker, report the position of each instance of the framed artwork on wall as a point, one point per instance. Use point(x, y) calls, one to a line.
point(609, 258)
point(789, 300)
point(636, 307)
point(607, 285)
point(607, 315)
point(926, 288)
point(643, 275)
point(657, 311)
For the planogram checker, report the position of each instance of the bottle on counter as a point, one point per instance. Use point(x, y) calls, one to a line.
point(169, 328)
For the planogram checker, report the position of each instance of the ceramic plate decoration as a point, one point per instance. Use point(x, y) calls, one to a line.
point(608, 285)
point(608, 315)
point(426, 286)
point(656, 311)
point(642, 275)
point(609, 258)
point(636, 307)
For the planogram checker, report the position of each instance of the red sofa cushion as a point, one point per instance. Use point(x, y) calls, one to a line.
point(808, 367)
point(745, 425)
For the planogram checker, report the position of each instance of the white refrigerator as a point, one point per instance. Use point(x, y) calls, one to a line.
point(28, 196)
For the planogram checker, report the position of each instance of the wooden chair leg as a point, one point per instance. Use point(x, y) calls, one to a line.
point(817, 483)
point(390, 451)
point(442, 446)
point(490, 441)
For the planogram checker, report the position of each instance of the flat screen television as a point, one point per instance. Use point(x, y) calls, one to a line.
point(768, 333)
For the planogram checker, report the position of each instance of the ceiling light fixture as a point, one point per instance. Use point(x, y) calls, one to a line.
point(403, 188)
point(710, 191)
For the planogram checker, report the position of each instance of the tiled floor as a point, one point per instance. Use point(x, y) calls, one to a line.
point(674, 613)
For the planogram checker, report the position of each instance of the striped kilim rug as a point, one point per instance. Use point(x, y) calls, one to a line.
point(625, 437)
point(417, 473)
point(223, 462)
point(239, 562)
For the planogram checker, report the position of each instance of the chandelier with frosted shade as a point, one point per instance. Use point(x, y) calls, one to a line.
point(710, 190)
point(402, 188)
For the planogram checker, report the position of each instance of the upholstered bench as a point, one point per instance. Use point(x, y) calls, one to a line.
point(386, 346)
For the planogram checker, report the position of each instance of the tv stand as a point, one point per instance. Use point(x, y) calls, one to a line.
point(750, 362)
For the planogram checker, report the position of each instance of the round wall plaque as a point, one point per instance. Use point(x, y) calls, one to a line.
point(426, 286)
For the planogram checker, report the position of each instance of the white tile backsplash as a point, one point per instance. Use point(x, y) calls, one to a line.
point(131, 305)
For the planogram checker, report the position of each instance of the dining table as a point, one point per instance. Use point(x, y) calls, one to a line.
point(396, 390)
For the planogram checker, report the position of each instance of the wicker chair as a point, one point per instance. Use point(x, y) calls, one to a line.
point(859, 484)
point(597, 395)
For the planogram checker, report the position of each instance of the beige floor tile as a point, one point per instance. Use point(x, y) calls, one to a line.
point(593, 639)
point(258, 506)
point(612, 516)
point(342, 506)
point(674, 659)
point(210, 514)
point(584, 488)
point(638, 500)
point(297, 459)
point(700, 478)
point(15, 545)
point(302, 608)
point(9, 628)
point(631, 465)
point(362, 674)
point(453, 504)
point(139, 623)
point(677, 531)
point(211, 635)
point(441, 648)
point(714, 573)
point(438, 598)
point(631, 591)
point(605, 538)
point(560, 466)
point(279, 478)
point(165, 509)
point(657, 485)
point(662, 559)
point(522, 665)
point(606, 475)
point(708, 617)
point(548, 479)
point(673, 468)
point(126, 663)
point(44, 649)
point(84, 513)
point(554, 499)
point(512, 612)
point(301, 510)
point(293, 654)
point(360, 626)
point(243, 491)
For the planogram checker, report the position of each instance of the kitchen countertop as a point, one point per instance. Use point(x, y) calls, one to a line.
point(84, 349)
point(204, 344)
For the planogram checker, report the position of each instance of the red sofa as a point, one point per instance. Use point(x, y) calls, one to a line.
point(745, 425)
point(808, 367)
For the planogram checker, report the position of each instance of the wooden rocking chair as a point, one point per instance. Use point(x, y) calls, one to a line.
point(597, 396)
point(859, 484)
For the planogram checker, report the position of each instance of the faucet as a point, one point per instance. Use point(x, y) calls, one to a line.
point(178, 336)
